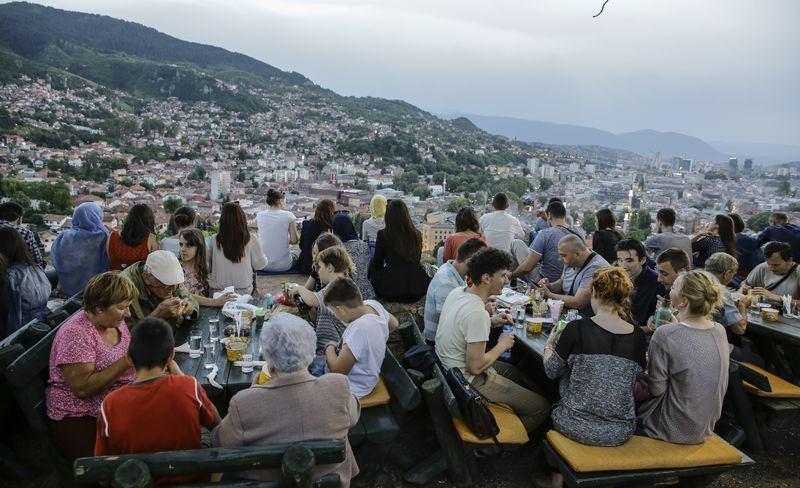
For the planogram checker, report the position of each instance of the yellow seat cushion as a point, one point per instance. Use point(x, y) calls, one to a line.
point(643, 453)
point(511, 429)
point(780, 387)
point(378, 396)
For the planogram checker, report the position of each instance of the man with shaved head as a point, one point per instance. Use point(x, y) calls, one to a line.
point(574, 286)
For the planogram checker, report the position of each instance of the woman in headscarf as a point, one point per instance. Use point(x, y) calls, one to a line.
point(371, 226)
point(358, 250)
point(79, 252)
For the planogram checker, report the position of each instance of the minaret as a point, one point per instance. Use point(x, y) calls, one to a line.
point(444, 185)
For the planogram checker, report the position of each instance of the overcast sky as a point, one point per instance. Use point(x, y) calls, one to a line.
point(719, 69)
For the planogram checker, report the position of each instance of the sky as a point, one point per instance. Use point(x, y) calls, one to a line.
point(722, 70)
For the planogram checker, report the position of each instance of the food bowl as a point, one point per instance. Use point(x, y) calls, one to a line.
point(769, 314)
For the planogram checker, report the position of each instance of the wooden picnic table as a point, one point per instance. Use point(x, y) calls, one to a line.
point(229, 377)
point(532, 343)
point(784, 331)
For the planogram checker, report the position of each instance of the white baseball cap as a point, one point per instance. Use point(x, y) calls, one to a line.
point(164, 267)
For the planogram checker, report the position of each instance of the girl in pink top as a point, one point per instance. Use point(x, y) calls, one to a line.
point(88, 359)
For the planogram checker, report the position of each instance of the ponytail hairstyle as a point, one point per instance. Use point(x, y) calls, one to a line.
point(726, 233)
point(701, 290)
point(274, 197)
point(337, 257)
point(183, 218)
point(612, 286)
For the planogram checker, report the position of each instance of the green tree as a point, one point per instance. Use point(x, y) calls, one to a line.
point(423, 192)
point(455, 205)
point(172, 204)
point(784, 188)
point(545, 184)
point(438, 177)
point(759, 221)
point(515, 184)
point(642, 219)
point(198, 174)
point(589, 222)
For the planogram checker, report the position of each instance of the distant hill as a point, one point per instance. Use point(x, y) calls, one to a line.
point(30, 30)
point(642, 142)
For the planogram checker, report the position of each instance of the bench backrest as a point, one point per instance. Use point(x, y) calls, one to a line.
point(410, 333)
point(447, 393)
point(27, 376)
point(293, 456)
point(405, 395)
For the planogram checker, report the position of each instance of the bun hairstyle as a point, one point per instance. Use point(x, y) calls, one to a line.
point(337, 257)
point(701, 290)
point(274, 197)
point(612, 286)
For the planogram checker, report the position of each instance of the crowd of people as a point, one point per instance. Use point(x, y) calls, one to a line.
point(623, 368)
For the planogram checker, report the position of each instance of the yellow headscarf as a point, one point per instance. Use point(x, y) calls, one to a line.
point(377, 206)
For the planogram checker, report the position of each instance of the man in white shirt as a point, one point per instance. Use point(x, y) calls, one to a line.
point(449, 276)
point(463, 332)
point(499, 227)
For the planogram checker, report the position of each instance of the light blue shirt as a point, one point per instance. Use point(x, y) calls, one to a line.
point(546, 245)
point(445, 281)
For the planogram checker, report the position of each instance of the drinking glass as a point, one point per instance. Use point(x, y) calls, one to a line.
point(209, 354)
point(247, 363)
point(195, 343)
point(519, 317)
point(213, 329)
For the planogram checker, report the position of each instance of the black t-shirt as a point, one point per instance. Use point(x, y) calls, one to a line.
point(646, 290)
point(584, 336)
point(604, 243)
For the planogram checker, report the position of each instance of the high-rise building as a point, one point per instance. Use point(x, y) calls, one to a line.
point(733, 167)
point(533, 165)
point(748, 168)
point(685, 165)
point(220, 184)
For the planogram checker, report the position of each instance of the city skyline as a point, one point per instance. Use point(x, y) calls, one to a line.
point(728, 79)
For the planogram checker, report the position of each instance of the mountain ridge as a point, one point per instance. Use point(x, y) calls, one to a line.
point(645, 141)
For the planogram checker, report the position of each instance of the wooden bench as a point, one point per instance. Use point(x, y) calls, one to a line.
point(456, 440)
point(640, 461)
point(379, 424)
point(412, 336)
point(296, 463)
point(27, 375)
point(778, 405)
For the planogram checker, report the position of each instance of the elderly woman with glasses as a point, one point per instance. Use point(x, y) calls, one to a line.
point(293, 406)
point(162, 294)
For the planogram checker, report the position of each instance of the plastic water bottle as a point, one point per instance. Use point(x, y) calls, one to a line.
point(507, 329)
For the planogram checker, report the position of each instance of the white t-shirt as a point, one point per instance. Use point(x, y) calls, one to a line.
point(464, 319)
point(366, 338)
point(273, 232)
point(500, 229)
point(172, 245)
